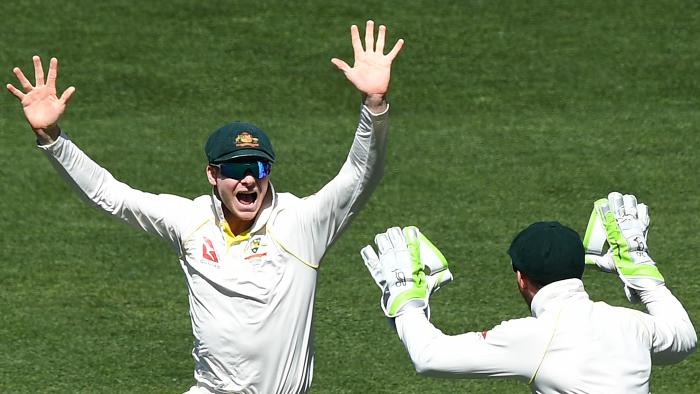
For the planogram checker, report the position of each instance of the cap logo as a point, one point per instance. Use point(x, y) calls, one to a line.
point(244, 138)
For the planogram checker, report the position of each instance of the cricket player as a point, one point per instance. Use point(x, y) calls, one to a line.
point(570, 344)
point(250, 255)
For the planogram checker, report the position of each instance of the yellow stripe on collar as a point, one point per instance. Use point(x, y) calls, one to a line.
point(232, 238)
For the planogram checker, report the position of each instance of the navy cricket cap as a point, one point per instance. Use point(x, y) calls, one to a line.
point(547, 252)
point(236, 140)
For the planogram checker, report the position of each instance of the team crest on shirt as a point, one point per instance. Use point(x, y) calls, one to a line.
point(256, 248)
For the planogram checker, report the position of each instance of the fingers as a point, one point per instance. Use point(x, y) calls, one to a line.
point(616, 204)
point(67, 94)
point(630, 204)
point(396, 237)
point(395, 50)
point(370, 43)
point(380, 39)
point(22, 79)
point(372, 263)
point(369, 256)
point(342, 66)
point(16, 92)
point(391, 239)
point(369, 36)
point(53, 71)
point(383, 242)
point(38, 71)
point(356, 43)
point(643, 214)
point(411, 233)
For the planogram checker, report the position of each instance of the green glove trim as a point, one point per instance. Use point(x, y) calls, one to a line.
point(417, 268)
point(624, 261)
point(640, 270)
point(414, 249)
point(443, 261)
point(419, 288)
point(591, 222)
point(417, 293)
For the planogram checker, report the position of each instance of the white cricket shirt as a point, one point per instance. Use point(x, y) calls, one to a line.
point(569, 345)
point(251, 296)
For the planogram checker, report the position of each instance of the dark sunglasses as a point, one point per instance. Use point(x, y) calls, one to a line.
point(239, 169)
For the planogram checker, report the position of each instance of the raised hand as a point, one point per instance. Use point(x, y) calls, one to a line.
point(399, 271)
point(42, 107)
point(371, 71)
point(437, 272)
point(622, 223)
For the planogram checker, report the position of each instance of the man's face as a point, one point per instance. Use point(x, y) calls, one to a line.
point(241, 198)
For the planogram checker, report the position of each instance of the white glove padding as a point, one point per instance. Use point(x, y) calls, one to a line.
point(429, 257)
point(625, 224)
point(437, 271)
point(595, 242)
point(369, 256)
point(399, 257)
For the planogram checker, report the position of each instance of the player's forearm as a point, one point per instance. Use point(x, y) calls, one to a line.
point(466, 356)
point(674, 336)
point(364, 166)
point(421, 340)
point(363, 169)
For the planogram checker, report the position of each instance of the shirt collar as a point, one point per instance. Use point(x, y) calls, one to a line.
point(555, 294)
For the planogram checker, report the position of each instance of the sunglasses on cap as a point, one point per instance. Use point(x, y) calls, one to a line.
point(239, 169)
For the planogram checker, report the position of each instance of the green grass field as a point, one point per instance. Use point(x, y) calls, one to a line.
point(503, 113)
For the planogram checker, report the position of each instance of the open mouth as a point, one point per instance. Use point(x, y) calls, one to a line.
point(247, 198)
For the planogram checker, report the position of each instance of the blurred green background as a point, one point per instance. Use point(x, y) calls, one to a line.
point(502, 113)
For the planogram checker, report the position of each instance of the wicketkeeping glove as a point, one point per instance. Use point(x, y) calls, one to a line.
point(625, 224)
point(595, 242)
point(417, 252)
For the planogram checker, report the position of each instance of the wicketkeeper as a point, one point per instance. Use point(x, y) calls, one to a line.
point(570, 344)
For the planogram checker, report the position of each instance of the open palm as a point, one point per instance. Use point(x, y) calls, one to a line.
point(42, 107)
point(371, 71)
